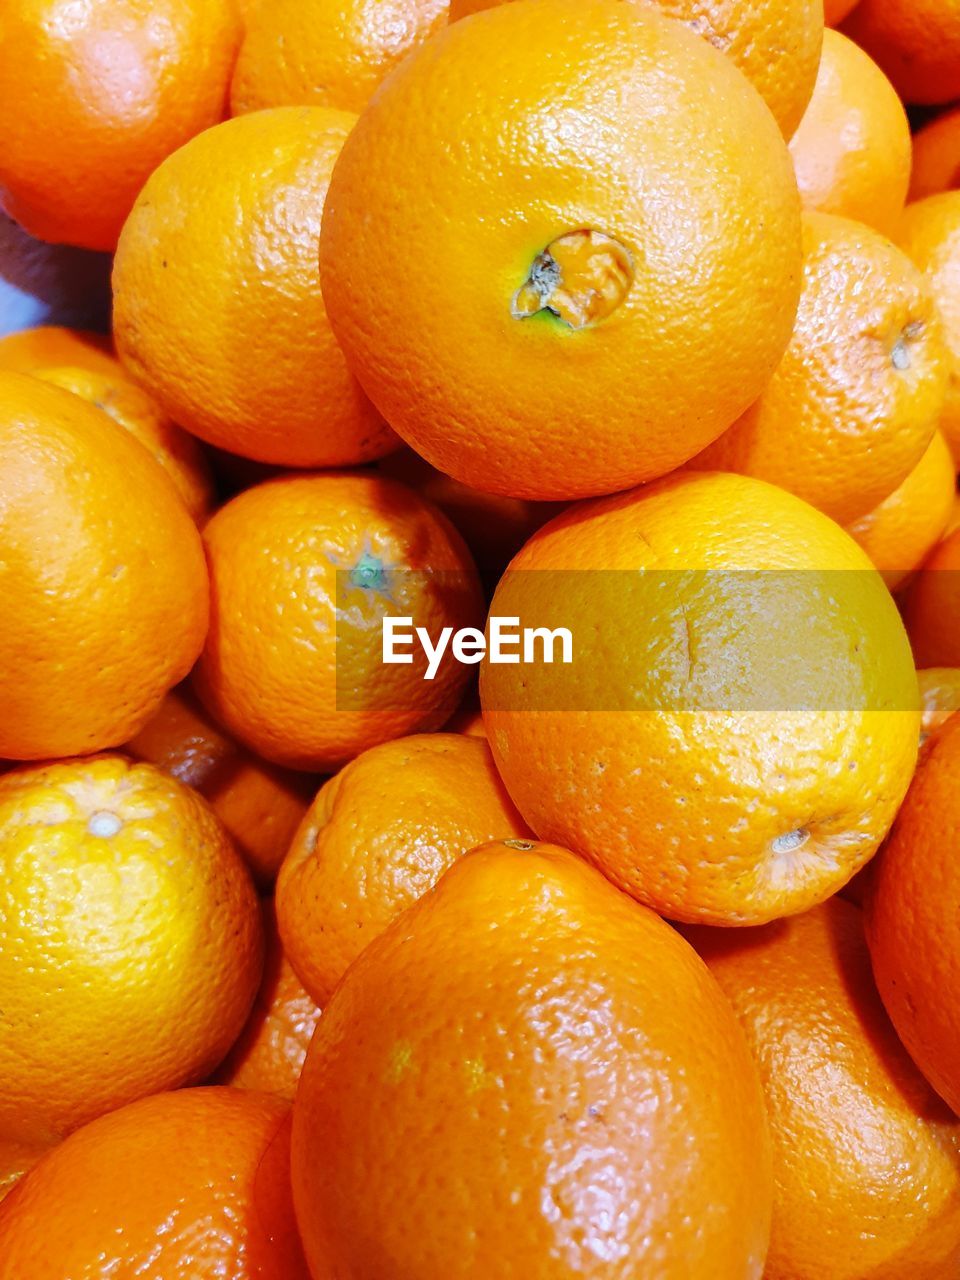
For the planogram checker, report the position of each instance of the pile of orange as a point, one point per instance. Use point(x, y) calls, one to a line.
point(342, 938)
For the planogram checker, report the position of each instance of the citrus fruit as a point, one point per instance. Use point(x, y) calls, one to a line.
point(936, 156)
point(176, 451)
point(741, 718)
point(304, 569)
point(851, 151)
point(47, 346)
point(775, 44)
point(939, 698)
point(260, 805)
point(912, 917)
point(15, 1159)
point(131, 941)
point(855, 402)
point(377, 837)
point(94, 96)
point(932, 607)
point(102, 580)
point(556, 1063)
point(194, 1183)
point(217, 307)
point(917, 42)
point(268, 1057)
point(930, 234)
point(901, 531)
point(499, 332)
point(845, 1205)
point(328, 53)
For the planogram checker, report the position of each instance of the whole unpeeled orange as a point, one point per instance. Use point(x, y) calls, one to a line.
point(103, 586)
point(217, 303)
point(130, 941)
point(596, 287)
point(740, 718)
point(530, 1075)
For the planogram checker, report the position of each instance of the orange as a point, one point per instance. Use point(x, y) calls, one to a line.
point(178, 453)
point(901, 531)
point(936, 156)
point(930, 234)
point(47, 346)
point(513, 290)
point(775, 43)
point(102, 581)
point(377, 837)
point(268, 1057)
point(260, 805)
point(932, 607)
point(740, 719)
point(855, 402)
point(545, 1077)
point(912, 917)
point(94, 96)
point(327, 53)
point(217, 307)
point(940, 697)
point(304, 569)
point(851, 151)
point(190, 1184)
point(494, 527)
point(130, 945)
point(15, 1159)
point(917, 42)
point(866, 1159)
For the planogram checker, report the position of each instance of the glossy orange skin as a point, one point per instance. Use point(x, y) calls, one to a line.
point(851, 152)
point(378, 836)
point(936, 157)
point(940, 697)
point(269, 1055)
point(131, 943)
point(103, 583)
point(272, 671)
point(866, 1158)
point(931, 609)
point(15, 1159)
point(48, 346)
point(854, 404)
point(493, 527)
point(95, 96)
point(929, 233)
point(532, 407)
point(327, 53)
point(260, 805)
point(542, 1049)
point(181, 1186)
point(727, 746)
point(901, 531)
point(775, 43)
point(917, 42)
point(220, 316)
point(177, 452)
point(912, 917)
